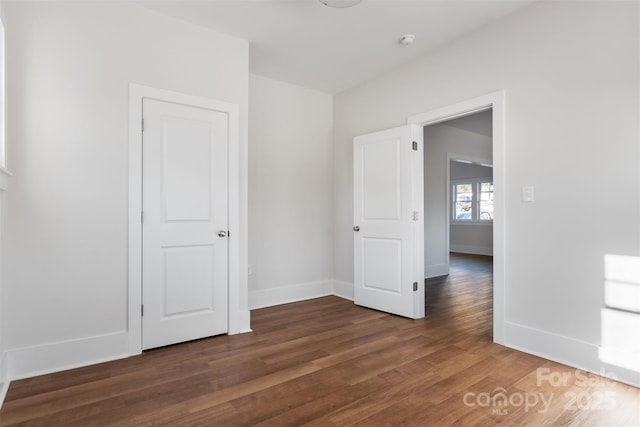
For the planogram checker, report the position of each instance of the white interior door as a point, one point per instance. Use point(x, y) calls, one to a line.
point(184, 232)
point(388, 223)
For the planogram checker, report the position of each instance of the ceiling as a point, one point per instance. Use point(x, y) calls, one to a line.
point(477, 123)
point(332, 49)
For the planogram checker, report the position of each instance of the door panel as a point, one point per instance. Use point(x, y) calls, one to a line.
point(186, 165)
point(382, 264)
point(188, 264)
point(388, 221)
point(185, 206)
point(381, 180)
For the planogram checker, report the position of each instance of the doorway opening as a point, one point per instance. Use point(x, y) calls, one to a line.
point(462, 300)
point(458, 186)
point(438, 217)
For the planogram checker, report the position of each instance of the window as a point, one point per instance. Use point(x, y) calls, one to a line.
point(472, 201)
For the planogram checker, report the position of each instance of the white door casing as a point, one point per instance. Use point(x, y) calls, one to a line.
point(238, 313)
point(388, 220)
point(185, 201)
point(495, 101)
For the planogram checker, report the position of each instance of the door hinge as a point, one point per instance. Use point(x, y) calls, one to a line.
point(141, 309)
point(142, 125)
point(415, 215)
point(415, 145)
point(415, 286)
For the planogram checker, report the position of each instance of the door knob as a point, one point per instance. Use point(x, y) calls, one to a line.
point(356, 228)
point(222, 233)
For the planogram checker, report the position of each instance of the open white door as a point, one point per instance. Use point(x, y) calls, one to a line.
point(185, 228)
point(388, 223)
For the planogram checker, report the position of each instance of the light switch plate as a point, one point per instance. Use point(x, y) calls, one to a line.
point(527, 193)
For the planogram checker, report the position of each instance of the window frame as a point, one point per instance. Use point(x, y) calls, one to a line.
point(475, 201)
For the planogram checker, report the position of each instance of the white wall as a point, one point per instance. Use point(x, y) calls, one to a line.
point(69, 66)
point(459, 171)
point(291, 188)
point(4, 186)
point(470, 238)
point(468, 137)
point(571, 75)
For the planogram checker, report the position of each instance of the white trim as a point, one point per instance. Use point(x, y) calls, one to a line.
point(343, 289)
point(59, 356)
point(239, 315)
point(240, 323)
point(300, 292)
point(134, 322)
point(447, 213)
point(565, 350)
point(4, 388)
point(473, 250)
point(455, 111)
point(238, 318)
point(480, 161)
point(436, 270)
point(495, 101)
point(475, 202)
point(470, 222)
point(287, 294)
point(4, 381)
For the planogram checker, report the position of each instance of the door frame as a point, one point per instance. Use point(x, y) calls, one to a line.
point(496, 102)
point(237, 321)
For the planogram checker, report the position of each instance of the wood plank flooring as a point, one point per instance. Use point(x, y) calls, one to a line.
point(327, 362)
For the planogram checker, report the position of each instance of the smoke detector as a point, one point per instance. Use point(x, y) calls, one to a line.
point(407, 39)
point(340, 3)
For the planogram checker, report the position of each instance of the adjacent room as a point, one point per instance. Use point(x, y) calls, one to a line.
point(326, 212)
point(458, 206)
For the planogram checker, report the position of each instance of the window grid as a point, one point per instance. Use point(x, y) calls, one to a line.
point(472, 201)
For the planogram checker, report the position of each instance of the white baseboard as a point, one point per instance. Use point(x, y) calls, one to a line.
point(287, 294)
point(565, 350)
point(4, 387)
point(4, 382)
point(472, 250)
point(54, 357)
point(343, 289)
point(436, 270)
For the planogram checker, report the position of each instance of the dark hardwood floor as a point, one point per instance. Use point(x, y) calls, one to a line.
point(327, 362)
